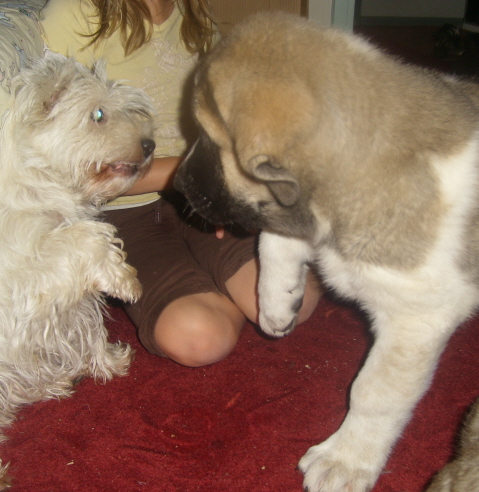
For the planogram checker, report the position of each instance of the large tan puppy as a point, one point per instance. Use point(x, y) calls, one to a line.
point(368, 169)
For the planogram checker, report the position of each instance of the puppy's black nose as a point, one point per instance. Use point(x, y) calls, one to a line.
point(148, 146)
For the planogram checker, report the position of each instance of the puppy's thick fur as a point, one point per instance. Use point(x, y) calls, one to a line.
point(366, 168)
point(71, 141)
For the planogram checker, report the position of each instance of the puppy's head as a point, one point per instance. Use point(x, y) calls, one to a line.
point(314, 132)
point(256, 119)
point(92, 135)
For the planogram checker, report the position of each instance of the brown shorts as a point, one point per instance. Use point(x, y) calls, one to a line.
point(176, 254)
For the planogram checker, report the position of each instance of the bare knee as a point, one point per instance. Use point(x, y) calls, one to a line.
point(242, 287)
point(199, 330)
point(312, 293)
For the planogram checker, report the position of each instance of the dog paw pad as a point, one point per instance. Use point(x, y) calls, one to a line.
point(323, 473)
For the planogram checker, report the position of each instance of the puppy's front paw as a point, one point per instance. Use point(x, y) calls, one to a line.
point(278, 313)
point(282, 279)
point(328, 469)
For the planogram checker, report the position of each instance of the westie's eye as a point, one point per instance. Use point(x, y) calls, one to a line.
point(98, 115)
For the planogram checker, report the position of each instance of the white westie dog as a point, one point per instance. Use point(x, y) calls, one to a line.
point(72, 140)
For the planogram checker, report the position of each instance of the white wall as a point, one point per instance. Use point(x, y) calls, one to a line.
point(339, 13)
point(413, 8)
point(321, 11)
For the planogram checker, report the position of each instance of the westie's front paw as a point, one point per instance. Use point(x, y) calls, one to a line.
point(120, 282)
point(327, 470)
point(130, 289)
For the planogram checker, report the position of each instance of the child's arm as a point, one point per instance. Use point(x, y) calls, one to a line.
point(159, 177)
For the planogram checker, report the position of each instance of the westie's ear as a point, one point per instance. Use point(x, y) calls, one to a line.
point(59, 72)
point(99, 70)
point(50, 102)
point(38, 87)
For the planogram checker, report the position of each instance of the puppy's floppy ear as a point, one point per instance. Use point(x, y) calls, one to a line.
point(266, 119)
point(280, 181)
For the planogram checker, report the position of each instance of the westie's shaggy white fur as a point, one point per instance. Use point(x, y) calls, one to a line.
point(72, 140)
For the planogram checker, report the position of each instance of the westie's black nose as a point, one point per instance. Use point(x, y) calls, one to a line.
point(148, 146)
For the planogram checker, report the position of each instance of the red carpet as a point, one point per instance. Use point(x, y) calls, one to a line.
point(238, 426)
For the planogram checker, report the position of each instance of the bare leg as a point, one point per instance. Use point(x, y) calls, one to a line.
point(202, 329)
point(199, 329)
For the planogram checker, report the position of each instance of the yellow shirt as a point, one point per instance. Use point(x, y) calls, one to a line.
point(161, 67)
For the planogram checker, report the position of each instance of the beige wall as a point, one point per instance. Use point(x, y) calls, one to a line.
point(228, 12)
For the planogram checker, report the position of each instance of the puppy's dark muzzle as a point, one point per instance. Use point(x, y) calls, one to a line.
point(200, 178)
point(183, 179)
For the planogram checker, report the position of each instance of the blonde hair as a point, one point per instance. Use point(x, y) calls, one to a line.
point(129, 16)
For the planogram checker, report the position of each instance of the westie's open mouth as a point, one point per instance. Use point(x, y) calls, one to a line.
point(121, 168)
point(124, 167)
